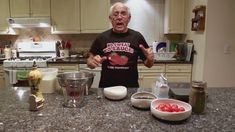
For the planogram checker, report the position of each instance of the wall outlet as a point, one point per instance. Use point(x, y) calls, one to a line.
point(227, 49)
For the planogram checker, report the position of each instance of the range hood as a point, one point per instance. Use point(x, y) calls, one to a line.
point(29, 22)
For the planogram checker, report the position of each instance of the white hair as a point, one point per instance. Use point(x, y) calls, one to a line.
point(115, 4)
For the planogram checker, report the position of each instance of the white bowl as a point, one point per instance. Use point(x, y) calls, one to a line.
point(171, 116)
point(115, 92)
point(142, 100)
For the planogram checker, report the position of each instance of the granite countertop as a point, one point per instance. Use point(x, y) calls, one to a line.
point(83, 61)
point(106, 115)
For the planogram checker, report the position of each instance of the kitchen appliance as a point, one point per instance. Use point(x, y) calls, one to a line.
point(40, 52)
point(29, 22)
point(16, 69)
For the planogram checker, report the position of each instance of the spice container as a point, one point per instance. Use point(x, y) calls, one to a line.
point(197, 96)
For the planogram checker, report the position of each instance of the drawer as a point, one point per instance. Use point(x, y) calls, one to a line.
point(178, 67)
point(155, 68)
point(178, 77)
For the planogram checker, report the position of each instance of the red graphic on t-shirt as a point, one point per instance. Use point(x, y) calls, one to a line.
point(116, 59)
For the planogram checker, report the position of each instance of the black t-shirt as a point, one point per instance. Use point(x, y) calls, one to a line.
point(122, 52)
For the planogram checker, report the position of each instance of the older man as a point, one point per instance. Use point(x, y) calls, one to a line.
point(118, 50)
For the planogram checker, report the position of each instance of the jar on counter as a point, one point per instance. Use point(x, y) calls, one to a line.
point(197, 96)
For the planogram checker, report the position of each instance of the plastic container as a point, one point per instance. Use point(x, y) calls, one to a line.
point(49, 80)
point(163, 91)
point(161, 88)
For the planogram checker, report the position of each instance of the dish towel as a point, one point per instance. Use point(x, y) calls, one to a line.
point(12, 77)
point(22, 75)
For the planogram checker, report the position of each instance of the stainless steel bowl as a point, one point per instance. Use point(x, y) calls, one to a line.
point(74, 85)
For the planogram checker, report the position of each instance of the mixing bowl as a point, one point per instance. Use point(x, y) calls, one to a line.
point(73, 85)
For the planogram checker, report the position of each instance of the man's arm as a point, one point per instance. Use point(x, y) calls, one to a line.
point(148, 52)
point(94, 61)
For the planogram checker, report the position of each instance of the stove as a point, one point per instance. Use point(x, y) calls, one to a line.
point(30, 52)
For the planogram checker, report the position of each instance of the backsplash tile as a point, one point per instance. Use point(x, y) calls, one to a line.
point(79, 41)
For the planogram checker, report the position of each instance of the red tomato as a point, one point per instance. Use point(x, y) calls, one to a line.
point(166, 107)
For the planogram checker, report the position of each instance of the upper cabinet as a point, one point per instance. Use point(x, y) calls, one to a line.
point(30, 8)
point(94, 16)
point(65, 16)
point(4, 9)
point(174, 16)
point(79, 16)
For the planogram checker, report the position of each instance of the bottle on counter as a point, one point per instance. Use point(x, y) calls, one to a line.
point(7, 52)
point(13, 53)
point(197, 96)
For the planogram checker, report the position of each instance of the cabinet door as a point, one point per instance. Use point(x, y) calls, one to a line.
point(40, 8)
point(19, 8)
point(4, 9)
point(179, 72)
point(146, 80)
point(179, 68)
point(178, 77)
point(147, 76)
point(174, 16)
point(65, 16)
point(94, 15)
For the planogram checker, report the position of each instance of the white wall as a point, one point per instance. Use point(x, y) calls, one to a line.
point(198, 39)
point(210, 63)
point(146, 17)
point(219, 68)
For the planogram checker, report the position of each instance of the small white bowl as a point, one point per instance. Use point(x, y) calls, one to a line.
point(171, 116)
point(142, 100)
point(115, 92)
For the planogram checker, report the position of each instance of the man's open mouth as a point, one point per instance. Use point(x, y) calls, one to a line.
point(120, 24)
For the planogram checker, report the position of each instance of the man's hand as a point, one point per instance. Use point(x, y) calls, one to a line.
point(95, 61)
point(148, 52)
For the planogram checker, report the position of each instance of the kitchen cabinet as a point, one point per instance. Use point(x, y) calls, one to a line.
point(4, 9)
point(79, 16)
point(178, 72)
point(30, 8)
point(2, 78)
point(94, 16)
point(64, 67)
point(174, 16)
point(173, 72)
point(65, 16)
point(147, 76)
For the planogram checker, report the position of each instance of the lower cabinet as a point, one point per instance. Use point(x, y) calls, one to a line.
point(173, 73)
point(64, 67)
point(2, 79)
point(179, 72)
point(147, 76)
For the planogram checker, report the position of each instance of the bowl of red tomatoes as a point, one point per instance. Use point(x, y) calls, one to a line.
point(170, 109)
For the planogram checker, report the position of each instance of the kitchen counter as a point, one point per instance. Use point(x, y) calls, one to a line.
point(83, 61)
point(105, 115)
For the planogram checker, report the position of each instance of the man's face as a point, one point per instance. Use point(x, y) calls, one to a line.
point(120, 18)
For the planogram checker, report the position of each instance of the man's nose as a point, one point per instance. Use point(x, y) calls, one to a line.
point(119, 16)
